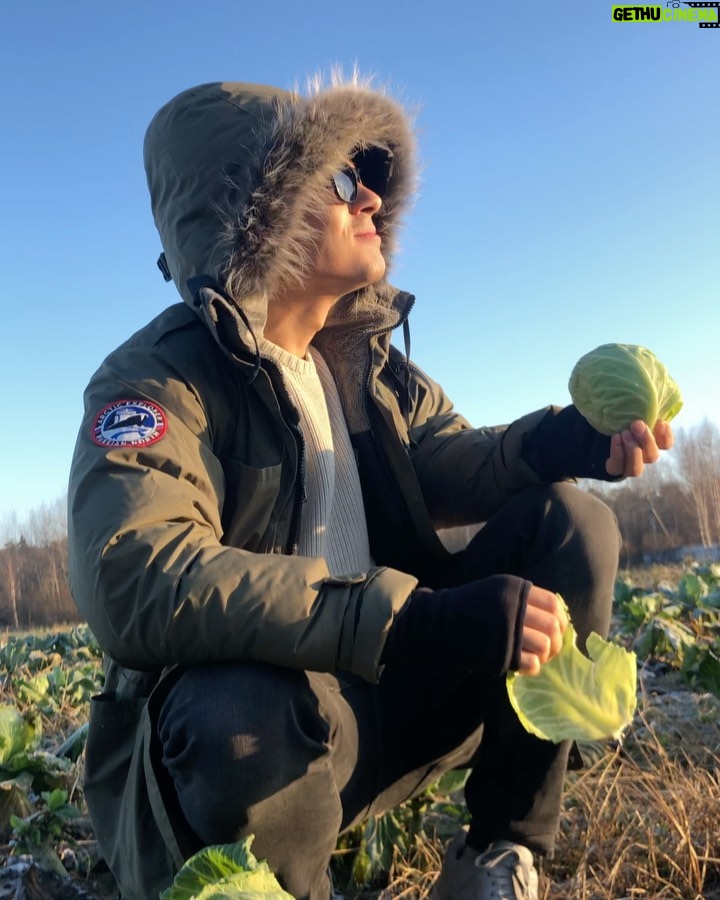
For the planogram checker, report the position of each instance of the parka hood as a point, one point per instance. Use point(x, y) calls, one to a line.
point(233, 171)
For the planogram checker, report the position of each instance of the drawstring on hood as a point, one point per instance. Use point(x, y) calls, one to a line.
point(406, 385)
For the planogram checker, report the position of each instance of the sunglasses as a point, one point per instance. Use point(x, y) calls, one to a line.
point(371, 167)
point(346, 182)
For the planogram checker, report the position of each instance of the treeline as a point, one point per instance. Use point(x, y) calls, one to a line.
point(673, 510)
point(34, 589)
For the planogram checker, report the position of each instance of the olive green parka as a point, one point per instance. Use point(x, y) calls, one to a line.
point(183, 529)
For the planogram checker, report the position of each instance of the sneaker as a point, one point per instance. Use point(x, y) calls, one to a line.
point(504, 871)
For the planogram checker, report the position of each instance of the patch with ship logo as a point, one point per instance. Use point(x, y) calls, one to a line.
point(129, 423)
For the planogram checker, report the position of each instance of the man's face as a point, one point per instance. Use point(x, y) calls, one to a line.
point(349, 253)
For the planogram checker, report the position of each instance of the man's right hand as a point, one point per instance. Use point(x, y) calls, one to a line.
point(544, 624)
point(486, 627)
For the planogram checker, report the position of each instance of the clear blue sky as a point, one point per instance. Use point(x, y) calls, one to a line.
point(570, 194)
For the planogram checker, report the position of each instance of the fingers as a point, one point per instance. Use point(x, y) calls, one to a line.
point(663, 433)
point(529, 664)
point(543, 627)
point(640, 448)
point(542, 604)
point(637, 446)
point(615, 465)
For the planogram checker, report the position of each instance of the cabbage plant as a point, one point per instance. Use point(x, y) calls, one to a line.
point(225, 872)
point(615, 384)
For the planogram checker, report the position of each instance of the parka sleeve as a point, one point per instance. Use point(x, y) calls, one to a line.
point(465, 473)
point(149, 571)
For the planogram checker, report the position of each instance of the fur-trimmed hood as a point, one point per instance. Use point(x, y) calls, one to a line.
point(233, 169)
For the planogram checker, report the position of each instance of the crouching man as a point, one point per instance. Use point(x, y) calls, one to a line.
point(254, 504)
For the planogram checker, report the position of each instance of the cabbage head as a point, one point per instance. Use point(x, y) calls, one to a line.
point(617, 383)
point(225, 872)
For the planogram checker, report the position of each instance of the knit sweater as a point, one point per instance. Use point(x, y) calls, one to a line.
point(333, 521)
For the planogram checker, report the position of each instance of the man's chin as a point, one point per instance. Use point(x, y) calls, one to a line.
point(376, 273)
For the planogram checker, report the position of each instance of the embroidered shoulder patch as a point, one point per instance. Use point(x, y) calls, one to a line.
point(129, 423)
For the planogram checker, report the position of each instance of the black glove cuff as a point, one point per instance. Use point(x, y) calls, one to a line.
point(565, 445)
point(514, 663)
point(451, 634)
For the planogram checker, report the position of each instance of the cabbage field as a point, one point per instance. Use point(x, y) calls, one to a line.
point(641, 816)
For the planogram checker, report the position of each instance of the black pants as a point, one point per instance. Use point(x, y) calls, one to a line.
point(295, 757)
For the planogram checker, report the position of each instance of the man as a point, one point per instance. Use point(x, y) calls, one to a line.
point(254, 505)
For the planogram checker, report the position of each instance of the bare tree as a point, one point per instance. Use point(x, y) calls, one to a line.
point(655, 512)
point(47, 523)
point(11, 537)
point(47, 529)
point(34, 587)
point(698, 461)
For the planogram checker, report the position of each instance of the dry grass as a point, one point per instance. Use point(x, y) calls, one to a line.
point(640, 823)
point(636, 826)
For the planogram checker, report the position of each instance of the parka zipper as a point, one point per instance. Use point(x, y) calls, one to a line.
point(287, 414)
point(300, 493)
point(404, 401)
point(375, 418)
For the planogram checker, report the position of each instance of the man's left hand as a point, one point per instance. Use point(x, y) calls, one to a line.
point(637, 446)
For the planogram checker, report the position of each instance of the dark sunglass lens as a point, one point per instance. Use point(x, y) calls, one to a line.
point(374, 166)
point(346, 185)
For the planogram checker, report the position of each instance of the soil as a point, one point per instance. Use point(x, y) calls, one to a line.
point(24, 879)
point(84, 874)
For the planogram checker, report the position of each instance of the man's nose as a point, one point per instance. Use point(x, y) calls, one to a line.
point(366, 200)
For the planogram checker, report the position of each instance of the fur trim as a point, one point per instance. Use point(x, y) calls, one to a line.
point(234, 169)
point(267, 242)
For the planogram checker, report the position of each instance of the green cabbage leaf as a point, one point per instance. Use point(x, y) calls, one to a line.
point(575, 697)
point(19, 735)
point(615, 384)
point(225, 872)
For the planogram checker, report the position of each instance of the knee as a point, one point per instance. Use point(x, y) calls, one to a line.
point(241, 709)
point(242, 730)
point(587, 519)
point(587, 565)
